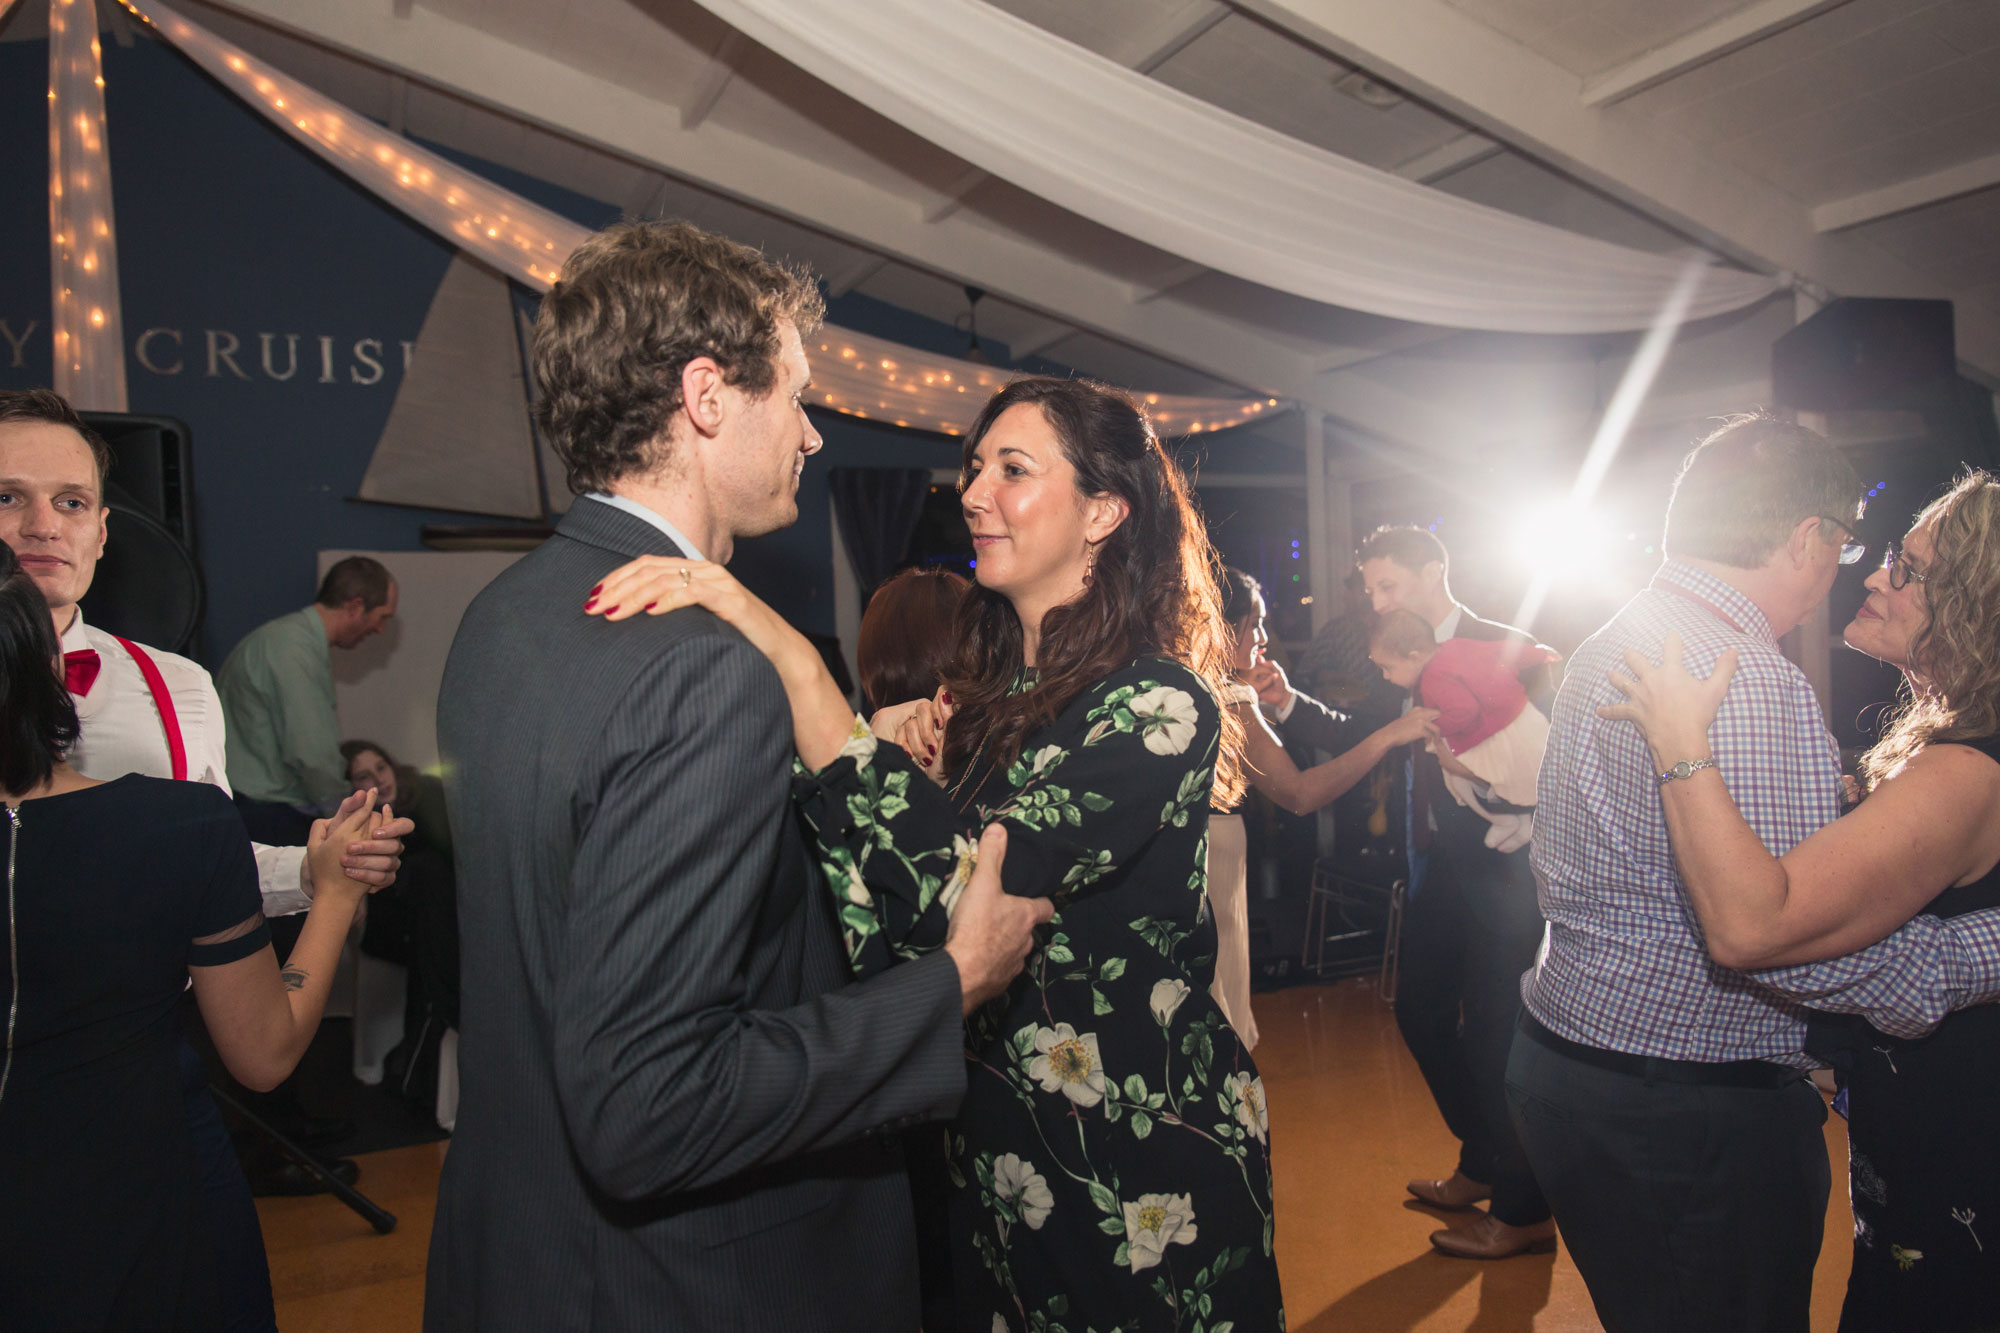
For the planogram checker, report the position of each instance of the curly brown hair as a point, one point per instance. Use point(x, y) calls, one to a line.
point(635, 303)
point(1956, 655)
point(1151, 592)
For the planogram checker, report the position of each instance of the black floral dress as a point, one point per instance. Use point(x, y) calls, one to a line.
point(1110, 1164)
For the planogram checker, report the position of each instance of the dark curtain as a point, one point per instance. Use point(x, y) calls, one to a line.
point(877, 509)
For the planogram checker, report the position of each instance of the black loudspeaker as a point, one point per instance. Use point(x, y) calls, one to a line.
point(148, 585)
point(1866, 354)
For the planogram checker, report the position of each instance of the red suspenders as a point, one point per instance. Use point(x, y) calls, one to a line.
point(163, 701)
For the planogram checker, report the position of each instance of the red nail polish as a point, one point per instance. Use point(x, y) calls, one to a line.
point(649, 606)
point(610, 610)
point(946, 696)
point(594, 591)
point(589, 602)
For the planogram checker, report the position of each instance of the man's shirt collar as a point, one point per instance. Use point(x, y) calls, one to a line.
point(639, 511)
point(1702, 586)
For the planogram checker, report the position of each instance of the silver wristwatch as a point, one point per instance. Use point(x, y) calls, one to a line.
point(1686, 768)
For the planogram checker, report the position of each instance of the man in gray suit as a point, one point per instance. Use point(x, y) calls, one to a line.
point(678, 1112)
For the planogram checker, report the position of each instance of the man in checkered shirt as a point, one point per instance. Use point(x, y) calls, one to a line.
point(1661, 1098)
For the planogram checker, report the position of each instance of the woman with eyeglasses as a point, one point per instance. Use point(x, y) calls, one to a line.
point(1925, 1158)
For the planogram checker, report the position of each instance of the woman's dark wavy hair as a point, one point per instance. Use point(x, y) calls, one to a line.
point(37, 718)
point(1240, 592)
point(902, 648)
point(1152, 590)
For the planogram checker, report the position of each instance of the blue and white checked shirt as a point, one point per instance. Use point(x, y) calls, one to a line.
point(1625, 968)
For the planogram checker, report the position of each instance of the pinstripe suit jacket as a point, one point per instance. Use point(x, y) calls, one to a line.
point(677, 1111)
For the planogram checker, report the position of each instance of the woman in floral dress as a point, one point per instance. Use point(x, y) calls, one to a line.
point(1111, 1159)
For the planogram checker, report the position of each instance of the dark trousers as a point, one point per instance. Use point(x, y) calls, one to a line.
point(1469, 932)
point(1684, 1206)
point(241, 1268)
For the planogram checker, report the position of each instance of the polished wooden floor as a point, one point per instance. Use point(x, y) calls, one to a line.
point(1351, 1122)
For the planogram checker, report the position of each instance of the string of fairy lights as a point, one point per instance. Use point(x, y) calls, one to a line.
point(87, 321)
point(854, 374)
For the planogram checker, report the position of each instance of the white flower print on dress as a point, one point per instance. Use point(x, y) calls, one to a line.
point(857, 890)
point(1044, 757)
point(964, 859)
point(1168, 993)
point(1018, 1183)
point(1251, 1111)
point(1067, 1063)
point(1166, 718)
point(1000, 1324)
point(1155, 1222)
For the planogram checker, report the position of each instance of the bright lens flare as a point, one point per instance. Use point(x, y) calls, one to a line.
point(1564, 542)
point(1624, 406)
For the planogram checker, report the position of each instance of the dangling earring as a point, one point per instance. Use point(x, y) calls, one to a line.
point(1089, 563)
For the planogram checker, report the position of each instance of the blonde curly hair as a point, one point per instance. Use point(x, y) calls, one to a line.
point(1956, 655)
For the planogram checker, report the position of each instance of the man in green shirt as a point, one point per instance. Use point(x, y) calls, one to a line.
point(277, 696)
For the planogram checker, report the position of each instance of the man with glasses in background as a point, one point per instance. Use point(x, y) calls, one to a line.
point(1662, 1098)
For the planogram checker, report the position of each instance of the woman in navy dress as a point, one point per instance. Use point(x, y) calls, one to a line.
point(117, 895)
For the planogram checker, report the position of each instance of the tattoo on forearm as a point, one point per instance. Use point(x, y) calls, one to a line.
point(293, 977)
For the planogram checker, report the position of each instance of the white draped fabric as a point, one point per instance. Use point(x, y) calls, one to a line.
point(853, 373)
point(1136, 155)
point(83, 249)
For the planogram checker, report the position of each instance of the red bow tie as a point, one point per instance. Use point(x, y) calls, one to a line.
point(80, 670)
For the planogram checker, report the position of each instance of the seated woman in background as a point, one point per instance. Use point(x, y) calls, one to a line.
point(905, 641)
point(118, 894)
point(1924, 1160)
point(414, 921)
point(1271, 771)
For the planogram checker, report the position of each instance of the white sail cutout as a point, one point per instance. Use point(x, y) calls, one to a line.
point(458, 435)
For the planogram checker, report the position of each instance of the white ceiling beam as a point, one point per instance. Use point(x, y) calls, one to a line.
point(399, 104)
point(952, 198)
point(1156, 44)
point(1180, 275)
point(1039, 340)
point(1447, 157)
point(1932, 188)
point(1529, 102)
point(714, 81)
point(862, 269)
point(1405, 339)
point(650, 199)
point(1732, 32)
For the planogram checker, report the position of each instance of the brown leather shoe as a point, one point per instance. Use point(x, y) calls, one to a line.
point(1456, 1192)
point(1490, 1238)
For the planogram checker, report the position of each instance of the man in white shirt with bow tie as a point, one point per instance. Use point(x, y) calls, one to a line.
point(145, 711)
